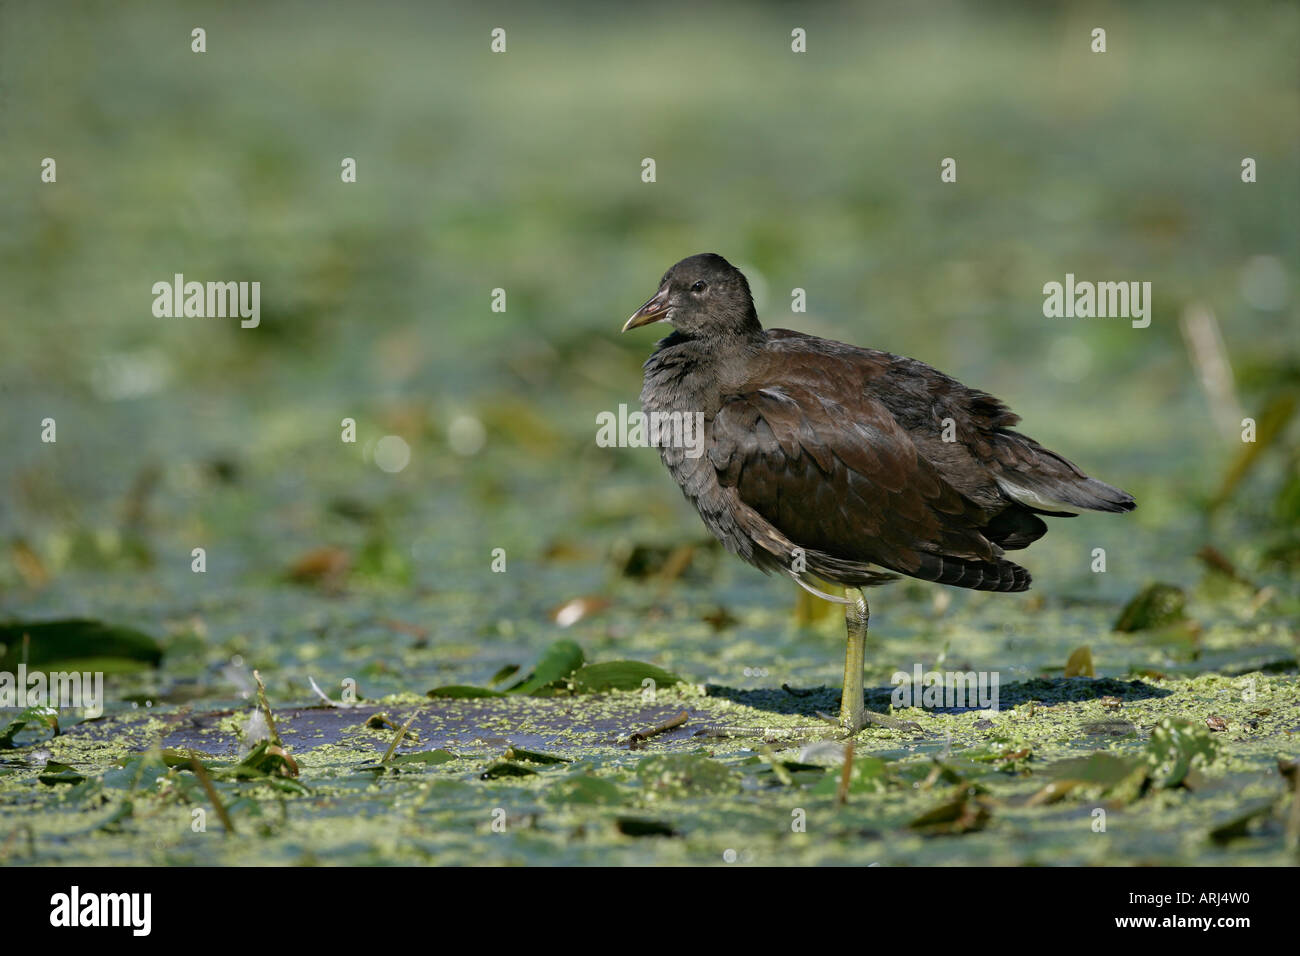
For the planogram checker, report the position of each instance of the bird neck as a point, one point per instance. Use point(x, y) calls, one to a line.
point(733, 333)
point(716, 348)
point(701, 366)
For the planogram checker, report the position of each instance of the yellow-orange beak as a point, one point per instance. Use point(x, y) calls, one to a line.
point(656, 310)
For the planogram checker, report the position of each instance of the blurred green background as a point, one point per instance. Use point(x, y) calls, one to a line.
point(522, 171)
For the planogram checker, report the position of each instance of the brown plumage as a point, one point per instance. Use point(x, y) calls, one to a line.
point(831, 459)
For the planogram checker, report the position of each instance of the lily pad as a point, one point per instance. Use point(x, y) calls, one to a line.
point(1157, 605)
point(505, 768)
point(640, 827)
point(1099, 769)
point(559, 661)
point(1178, 747)
point(463, 691)
point(55, 773)
point(964, 815)
point(667, 776)
point(867, 775)
point(423, 758)
point(76, 644)
point(620, 675)
point(47, 717)
point(532, 756)
point(586, 789)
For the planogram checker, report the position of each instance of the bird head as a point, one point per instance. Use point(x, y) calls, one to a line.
point(701, 295)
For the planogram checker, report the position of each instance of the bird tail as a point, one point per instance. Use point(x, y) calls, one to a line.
point(976, 575)
point(1046, 483)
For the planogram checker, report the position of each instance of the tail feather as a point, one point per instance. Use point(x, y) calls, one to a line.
point(976, 575)
point(1016, 527)
point(1047, 494)
point(1048, 483)
point(941, 569)
point(1104, 497)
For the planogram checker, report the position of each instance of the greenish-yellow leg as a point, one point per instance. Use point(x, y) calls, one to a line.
point(856, 616)
point(853, 710)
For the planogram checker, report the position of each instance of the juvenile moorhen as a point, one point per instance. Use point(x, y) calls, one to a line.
point(845, 463)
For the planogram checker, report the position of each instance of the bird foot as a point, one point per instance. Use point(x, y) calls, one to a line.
point(867, 718)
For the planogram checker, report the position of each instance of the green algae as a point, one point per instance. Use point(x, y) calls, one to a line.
point(709, 794)
point(752, 776)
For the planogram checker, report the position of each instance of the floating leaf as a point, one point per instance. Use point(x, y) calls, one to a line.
point(1176, 748)
point(1156, 605)
point(264, 760)
point(55, 773)
point(1008, 754)
point(177, 758)
point(867, 775)
point(423, 758)
point(953, 769)
point(532, 756)
point(620, 675)
point(504, 768)
point(562, 662)
point(463, 691)
point(586, 789)
point(639, 827)
point(667, 776)
point(504, 674)
point(1121, 779)
point(47, 717)
point(1110, 728)
point(76, 644)
point(1238, 825)
point(1100, 769)
point(136, 772)
point(429, 757)
point(558, 662)
point(964, 815)
point(1054, 791)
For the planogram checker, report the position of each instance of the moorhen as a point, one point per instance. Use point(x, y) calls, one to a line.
point(825, 460)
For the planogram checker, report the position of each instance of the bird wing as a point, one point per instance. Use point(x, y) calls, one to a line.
point(830, 467)
point(965, 433)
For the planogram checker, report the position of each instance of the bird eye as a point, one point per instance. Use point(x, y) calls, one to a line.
point(700, 286)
